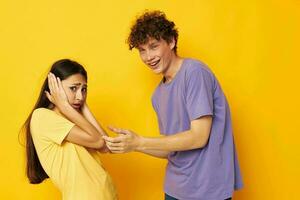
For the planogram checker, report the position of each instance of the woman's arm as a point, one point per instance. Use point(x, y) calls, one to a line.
point(91, 118)
point(83, 133)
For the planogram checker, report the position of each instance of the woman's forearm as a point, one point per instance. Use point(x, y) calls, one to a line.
point(78, 119)
point(91, 118)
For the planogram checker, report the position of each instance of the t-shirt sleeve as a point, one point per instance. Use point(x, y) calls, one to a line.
point(50, 126)
point(199, 93)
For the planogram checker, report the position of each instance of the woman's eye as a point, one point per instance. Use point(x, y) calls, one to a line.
point(73, 88)
point(84, 89)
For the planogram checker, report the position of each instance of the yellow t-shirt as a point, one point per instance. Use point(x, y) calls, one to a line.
point(77, 172)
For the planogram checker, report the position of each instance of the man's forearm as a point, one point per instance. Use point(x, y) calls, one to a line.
point(156, 153)
point(182, 141)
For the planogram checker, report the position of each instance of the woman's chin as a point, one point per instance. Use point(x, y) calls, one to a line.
point(78, 108)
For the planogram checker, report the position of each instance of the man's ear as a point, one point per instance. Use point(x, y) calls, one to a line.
point(172, 43)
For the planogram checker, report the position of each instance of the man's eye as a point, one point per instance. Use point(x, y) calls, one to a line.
point(84, 89)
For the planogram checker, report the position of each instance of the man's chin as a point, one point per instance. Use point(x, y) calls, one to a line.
point(158, 70)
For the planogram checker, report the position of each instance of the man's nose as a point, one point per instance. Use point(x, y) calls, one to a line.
point(149, 56)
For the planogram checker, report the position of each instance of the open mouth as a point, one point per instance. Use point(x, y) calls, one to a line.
point(153, 65)
point(76, 105)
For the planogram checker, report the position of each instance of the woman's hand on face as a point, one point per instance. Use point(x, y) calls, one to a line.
point(57, 94)
point(84, 109)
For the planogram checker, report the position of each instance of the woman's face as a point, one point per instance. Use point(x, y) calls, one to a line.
point(75, 87)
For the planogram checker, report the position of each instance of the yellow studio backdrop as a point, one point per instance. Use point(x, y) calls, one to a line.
point(250, 45)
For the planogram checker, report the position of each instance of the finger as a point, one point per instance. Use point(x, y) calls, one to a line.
point(60, 87)
point(50, 84)
point(110, 139)
point(117, 152)
point(126, 131)
point(113, 144)
point(123, 131)
point(59, 83)
point(54, 81)
point(48, 95)
point(111, 148)
point(116, 130)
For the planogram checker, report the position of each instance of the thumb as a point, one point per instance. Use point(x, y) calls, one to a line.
point(126, 132)
point(48, 95)
point(116, 130)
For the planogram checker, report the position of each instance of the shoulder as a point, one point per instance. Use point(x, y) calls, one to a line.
point(41, 112)
point(45, 116)
point(196, 68)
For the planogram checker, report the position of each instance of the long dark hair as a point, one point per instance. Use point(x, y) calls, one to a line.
point(62, 69)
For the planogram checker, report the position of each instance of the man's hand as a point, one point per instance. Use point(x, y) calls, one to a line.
point(57, 94)
point(127, 141)
point(104, 149)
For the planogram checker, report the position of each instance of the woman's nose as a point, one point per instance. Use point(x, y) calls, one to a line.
point(79, 95)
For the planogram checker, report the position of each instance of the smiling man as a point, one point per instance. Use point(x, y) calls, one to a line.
point(193, 115)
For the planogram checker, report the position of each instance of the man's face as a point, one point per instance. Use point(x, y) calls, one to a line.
point(157, 54)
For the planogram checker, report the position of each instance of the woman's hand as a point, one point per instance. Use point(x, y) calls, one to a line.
point(57, 94)
point(104, 149)
point(85, 110)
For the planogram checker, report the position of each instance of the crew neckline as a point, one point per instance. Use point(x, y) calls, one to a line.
point(176, 75)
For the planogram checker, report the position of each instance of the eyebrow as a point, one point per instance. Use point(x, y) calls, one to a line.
point(153, 43)
point(78, 84)
point(150, 44)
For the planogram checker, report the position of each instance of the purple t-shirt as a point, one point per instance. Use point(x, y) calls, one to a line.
point(211, 172)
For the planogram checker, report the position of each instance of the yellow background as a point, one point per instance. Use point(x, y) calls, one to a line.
point(250, 45)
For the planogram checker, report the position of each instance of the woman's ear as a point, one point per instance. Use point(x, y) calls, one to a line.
point(51, 106)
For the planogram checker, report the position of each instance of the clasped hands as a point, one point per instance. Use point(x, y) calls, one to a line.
point(126, 141)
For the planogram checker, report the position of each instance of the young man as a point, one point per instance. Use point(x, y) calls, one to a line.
point(193, 116)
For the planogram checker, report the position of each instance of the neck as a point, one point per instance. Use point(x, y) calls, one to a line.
point(55, 109)
point(173, 68)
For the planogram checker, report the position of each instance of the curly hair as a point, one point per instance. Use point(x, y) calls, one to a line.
point(152, 24)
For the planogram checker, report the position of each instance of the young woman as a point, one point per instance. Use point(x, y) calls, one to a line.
point(63, 137)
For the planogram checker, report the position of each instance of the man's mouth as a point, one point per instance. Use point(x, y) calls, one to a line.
point(153, 65)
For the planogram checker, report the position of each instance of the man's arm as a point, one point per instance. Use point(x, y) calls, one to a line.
point(194, 138)
point(156, 153)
